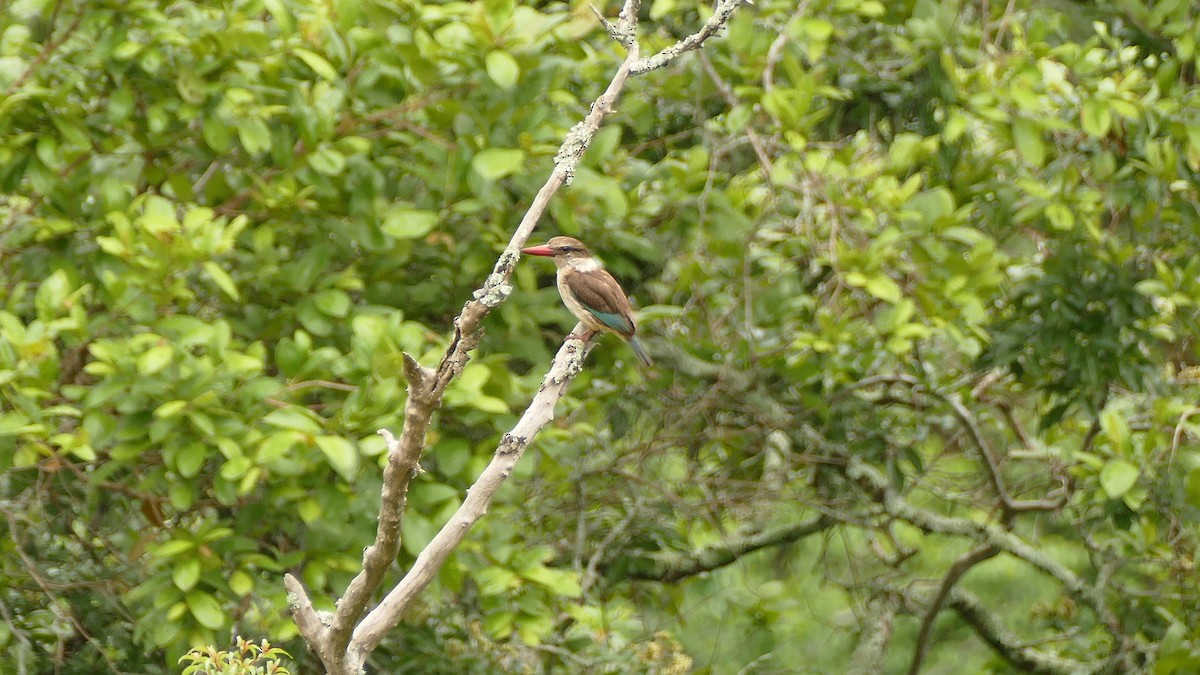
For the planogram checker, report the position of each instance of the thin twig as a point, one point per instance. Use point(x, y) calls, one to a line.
point(775, 53)
point(47, 50)
point(960, 567)
point(720, 17)
point(760, 150)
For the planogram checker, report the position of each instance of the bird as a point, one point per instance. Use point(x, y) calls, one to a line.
point(590, 292)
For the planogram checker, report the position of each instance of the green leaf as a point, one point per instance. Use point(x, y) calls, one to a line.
point(417, 532)
point(325, 160)
point(661, 8)
point(489, 404)
point(216, 134)
point(205, 609)
point(282, 16)
point(277, 444)
point(1193, 487)
point(878, 285)
point(182, 495)
point(503, 69)
point(333, 302)
point(817, 29)
point(296, 419)
point(407, 223)
point(186, 573)
point(154, 359)
point(453, 455)
point(172, 548)
point(560, 582)
point(303, 273)
point(1116, 427)
point(496, 163)
point(318, 63)
point(933, 204)
point(52, 293)
point(190, 458)
point(1060, 216)
point(1028, 137)
point(495, 581)
point(126, 51)
point(342, 455)
point(241, 583)
point(309, 510)
point(254, 135)
point(1096, 117)
point(222, 279)
point(1117, 477)
point(235, 468)
point(500, 624)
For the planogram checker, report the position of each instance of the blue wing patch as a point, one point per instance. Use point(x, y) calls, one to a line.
point(613, 321)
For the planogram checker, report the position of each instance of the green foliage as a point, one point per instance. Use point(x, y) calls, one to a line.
point(248, 659)
point(223, 223)
point(1076, 327)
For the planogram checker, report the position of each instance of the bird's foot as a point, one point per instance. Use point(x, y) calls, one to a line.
point(586, 336)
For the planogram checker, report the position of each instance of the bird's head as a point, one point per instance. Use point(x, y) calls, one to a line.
point(564, 250)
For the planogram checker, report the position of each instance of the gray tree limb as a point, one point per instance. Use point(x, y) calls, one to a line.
point(960, 567)
point(1026, 659)
point(990, 534)
point(344, 642)
point(673, 566)
point(567, 364)
point(868, 656)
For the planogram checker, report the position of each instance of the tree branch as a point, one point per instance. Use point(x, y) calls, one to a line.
point(715, 23)
point(46, 52)
point(970, 423)
point(868, 656)
point(426, 387)
point(1026, 659)
point(342, 646)
point(674, 566)
point(960, 567)
point(567, 364)
point(874, 482)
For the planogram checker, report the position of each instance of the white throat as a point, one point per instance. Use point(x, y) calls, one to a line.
point(583, 264)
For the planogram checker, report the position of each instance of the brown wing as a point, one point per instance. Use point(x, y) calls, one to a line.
point(601, 295)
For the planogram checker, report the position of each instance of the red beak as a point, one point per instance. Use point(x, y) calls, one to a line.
point(542, 250)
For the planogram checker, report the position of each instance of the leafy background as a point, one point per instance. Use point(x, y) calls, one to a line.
point(223, 222)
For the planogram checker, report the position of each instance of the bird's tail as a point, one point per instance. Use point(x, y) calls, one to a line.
point(640, 350)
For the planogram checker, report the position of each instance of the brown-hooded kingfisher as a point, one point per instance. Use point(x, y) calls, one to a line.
point(590, 292)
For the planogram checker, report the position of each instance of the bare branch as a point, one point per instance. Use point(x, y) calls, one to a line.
point(775, 53)
point(306, 618)
point(872, 480)
point(675, 566)
point(992, 462)
point(715, 23)
point(960, 567)
point(426, 386)
point(991, 630)
point(1026, 659)
point(868, 656)
point(46, 52)
point(732, 100)
point(403, 455)
point(970, 423)
point(343, 647)
point(567, 363)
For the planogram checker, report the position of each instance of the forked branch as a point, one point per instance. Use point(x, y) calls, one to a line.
point(344, 640)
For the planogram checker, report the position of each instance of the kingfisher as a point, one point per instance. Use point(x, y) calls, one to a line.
point(590, 292)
